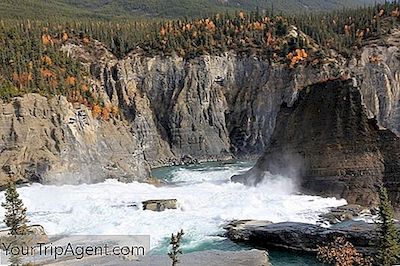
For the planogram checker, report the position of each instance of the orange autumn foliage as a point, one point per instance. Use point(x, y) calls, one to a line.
point(96, 111)
point(47, 40)
point(86, 40)
point(105, 114)
point(297, 56)
point(22, 79)
point(64, 37)
point(70, 80)
point(47, 60)
point(163, 31)
point(46, 73)
point(342, 253)
point(85, 87)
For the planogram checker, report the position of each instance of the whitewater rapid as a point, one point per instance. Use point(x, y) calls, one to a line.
point(207, 201)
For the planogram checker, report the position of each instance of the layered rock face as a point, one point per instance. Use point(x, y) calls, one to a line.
point(207, 108)
point(326, 142)
point(377, 74)
point(52, 141)
point(210, 107)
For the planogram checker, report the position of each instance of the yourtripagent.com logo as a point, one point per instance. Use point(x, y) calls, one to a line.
point(74, 250)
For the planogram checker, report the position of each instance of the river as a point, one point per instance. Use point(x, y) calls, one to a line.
point(207, 200)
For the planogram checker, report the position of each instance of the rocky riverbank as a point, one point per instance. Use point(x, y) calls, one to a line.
point(302, 236)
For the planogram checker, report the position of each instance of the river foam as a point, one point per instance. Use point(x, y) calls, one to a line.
point(207, 200)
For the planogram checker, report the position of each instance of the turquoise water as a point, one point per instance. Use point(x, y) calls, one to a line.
point(171, 175)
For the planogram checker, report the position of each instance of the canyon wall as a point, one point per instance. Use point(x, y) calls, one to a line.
point(326, 142)
point(52, 141)
point(176, 110)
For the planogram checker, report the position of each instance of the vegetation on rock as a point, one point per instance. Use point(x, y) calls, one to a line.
point(342, 253)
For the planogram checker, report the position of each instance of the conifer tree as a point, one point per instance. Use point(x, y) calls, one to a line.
point(15, 217)
point(175, 247)
point(389, 249)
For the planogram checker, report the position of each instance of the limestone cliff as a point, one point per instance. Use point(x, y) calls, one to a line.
point(207, 108)
point(210, 107)
point(326, 141)
point(52, 141)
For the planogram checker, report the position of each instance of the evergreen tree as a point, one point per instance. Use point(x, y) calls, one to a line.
point(15, 217)
point(175, 247)
point(389, 249)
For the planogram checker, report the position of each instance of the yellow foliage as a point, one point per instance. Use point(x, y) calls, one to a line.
point(115, 111)
point(64, 36)
point(47, 60)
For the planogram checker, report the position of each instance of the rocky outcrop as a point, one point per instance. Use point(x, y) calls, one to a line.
point(302, 236)
point(52, 141)
point(326, 142)
point(346, 213)
point(159, 205)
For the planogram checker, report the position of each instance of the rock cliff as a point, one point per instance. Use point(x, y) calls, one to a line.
point(206, 108)
point(52, 141)
point(326, 141)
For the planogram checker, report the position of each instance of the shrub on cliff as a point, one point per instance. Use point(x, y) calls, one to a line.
point(389, 249)
point(15, 217)
point(341, 253)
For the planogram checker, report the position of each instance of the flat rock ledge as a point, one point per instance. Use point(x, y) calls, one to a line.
point(301, 236)
point(210, 258)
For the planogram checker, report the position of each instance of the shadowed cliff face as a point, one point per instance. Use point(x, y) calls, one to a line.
point(327, 143)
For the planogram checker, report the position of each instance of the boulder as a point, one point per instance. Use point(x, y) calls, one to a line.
point(345, 213)
point(302, 236)
point(160, 205)
point(37, 234)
